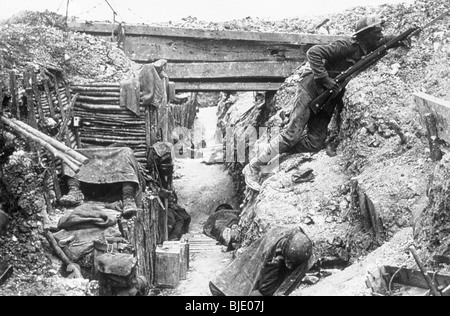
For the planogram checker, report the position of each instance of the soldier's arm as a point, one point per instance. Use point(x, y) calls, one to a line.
point(318, 56)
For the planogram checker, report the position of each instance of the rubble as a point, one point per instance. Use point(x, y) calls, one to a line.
point(38, 39)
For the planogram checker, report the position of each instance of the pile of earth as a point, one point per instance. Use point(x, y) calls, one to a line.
point(39, 39)
point(36, 271)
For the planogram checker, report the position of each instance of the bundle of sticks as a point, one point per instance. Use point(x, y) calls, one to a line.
point(69, 156)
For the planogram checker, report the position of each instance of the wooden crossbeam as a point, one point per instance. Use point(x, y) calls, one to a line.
point(149, 49)
point(226, 86)
point(235, 70)
point(215, 60)
point(146, 30)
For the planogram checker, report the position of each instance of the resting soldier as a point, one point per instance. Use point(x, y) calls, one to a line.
point(113, 165)
point(263, 267)
point(178, 219)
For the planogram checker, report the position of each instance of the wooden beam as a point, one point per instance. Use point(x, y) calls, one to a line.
point(37, 96)
point(30, 100)
point(15, 97)
point(226, 86)
point(426, 103)
point(150, 49)
point(415, 278)
point(49, 99)
point(145, 30)
point(2, 96)
point(205, 71)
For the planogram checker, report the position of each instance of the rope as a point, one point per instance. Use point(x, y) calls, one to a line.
point(138, 16)
point(89, 10)
point(392, 278)
point(60, 6)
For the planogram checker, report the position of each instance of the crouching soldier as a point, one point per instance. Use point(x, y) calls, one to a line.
point(178, 219)
point(266, 264)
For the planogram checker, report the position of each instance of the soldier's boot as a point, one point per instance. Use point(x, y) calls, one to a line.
point(253, 169)
point(130, 208)
point(75, 197)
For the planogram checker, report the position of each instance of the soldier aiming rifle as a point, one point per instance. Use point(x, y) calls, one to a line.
point(328, 70)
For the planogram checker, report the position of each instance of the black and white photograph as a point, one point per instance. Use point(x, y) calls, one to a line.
point(224, 152)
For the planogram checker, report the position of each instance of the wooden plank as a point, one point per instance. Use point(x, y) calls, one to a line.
point(15, 98)
point(415, 278)
point(1, 103)
point(49, 99)
point(133, 30)
point(433, 138)
point(148, 129)
point(59, 98)
point(37, 96)
point(5, 272)
point(426, 103)
point(205, 71)
point(226, 86)
point(150, 49)
point(30, 101)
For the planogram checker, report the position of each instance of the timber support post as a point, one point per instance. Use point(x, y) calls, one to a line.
point(433, 139)
point(435, 116)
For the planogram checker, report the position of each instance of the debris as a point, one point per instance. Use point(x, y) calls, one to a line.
point(310, 280)
point(303, 159)
point(301, 176)
point(394, 125)
point(429, 281)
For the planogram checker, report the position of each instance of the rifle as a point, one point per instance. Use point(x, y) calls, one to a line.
point(326, 97)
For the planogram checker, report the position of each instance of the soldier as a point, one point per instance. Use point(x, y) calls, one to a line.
point(178, 219)
point(306, 131)
point(222, 225)
point(265, 265)
point(75, 196)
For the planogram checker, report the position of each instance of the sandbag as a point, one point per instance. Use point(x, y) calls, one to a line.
point(78, 243)
point(119, 264)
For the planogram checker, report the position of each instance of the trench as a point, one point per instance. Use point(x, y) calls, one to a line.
point(201, 187)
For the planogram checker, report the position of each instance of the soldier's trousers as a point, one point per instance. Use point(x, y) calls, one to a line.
point(310, 137)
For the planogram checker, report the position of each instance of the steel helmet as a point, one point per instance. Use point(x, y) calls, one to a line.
point(366, 23)
point(298, 249)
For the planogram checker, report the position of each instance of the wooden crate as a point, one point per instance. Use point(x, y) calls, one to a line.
point(183, 247)
point(167, 267)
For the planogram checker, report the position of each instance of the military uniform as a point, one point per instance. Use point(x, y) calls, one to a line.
point(323, 61)
point(307, 129)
